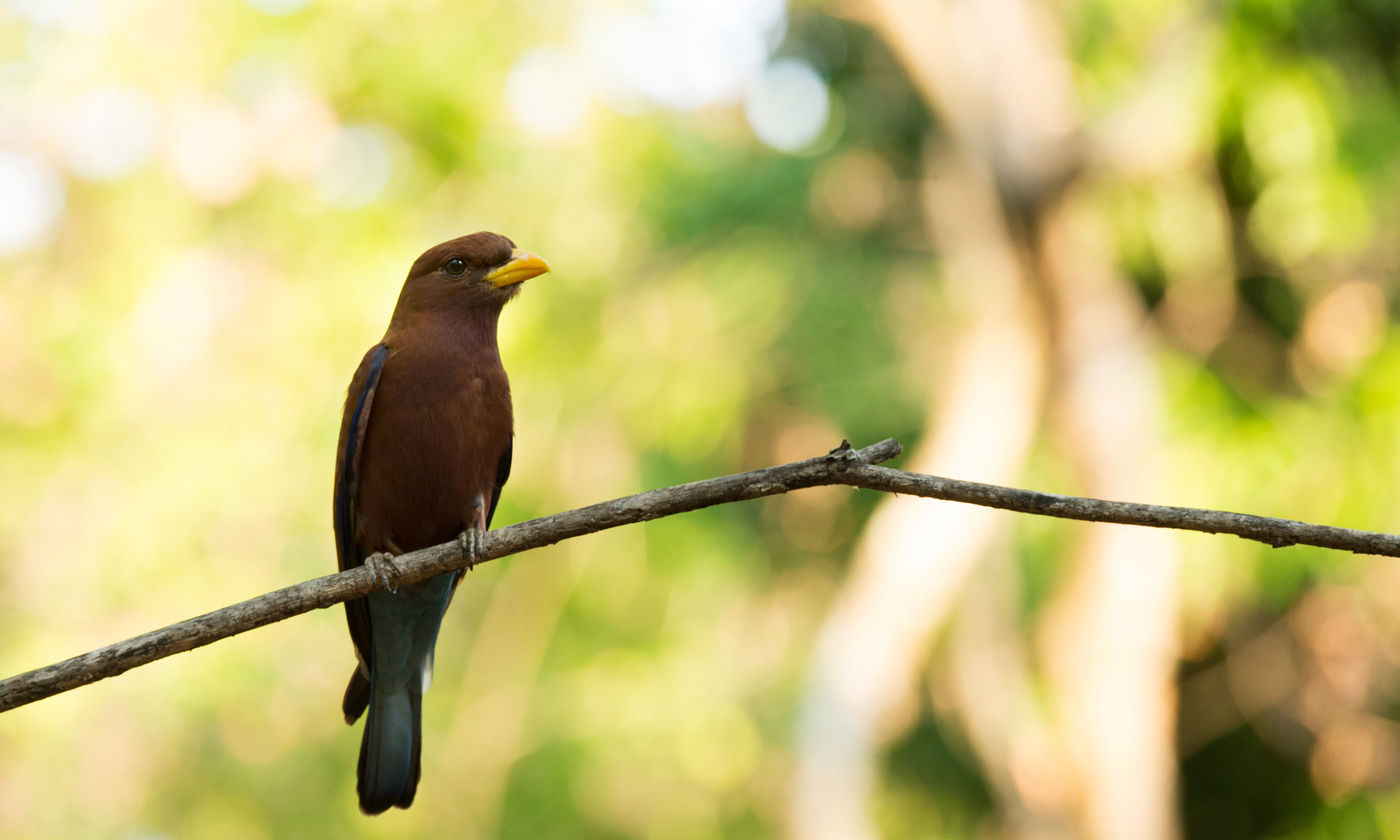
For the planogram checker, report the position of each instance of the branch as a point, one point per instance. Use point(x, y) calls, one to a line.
point(842, 466)
point(1265, 529)
point(419, 565)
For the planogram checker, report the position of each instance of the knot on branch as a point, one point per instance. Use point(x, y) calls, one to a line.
point(764, 488)
point(843, 455)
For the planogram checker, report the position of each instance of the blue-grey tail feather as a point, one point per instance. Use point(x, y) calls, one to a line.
point(391, 750)
point(356, 698)
point(405, 628)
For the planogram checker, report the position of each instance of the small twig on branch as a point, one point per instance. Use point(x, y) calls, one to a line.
point(843, 466)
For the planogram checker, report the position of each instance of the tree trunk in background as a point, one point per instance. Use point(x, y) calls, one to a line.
point(1038, 285)
point(914, 557)
point(1110, 637)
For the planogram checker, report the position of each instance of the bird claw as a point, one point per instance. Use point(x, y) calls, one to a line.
point(473, 544)
point(384, 570)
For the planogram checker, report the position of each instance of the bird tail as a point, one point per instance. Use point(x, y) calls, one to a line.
point(356, 696)
point(391, 750)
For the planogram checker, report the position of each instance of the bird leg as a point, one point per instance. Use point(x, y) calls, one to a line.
point(473, 540)
point(470, 542)
point(384, 570)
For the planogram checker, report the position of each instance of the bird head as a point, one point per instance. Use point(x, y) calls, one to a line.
point(480, 270)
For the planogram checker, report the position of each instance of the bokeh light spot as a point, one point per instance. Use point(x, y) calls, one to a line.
point(788, 106)
point(718, 747)
point(358, 169)
point(31, 201)
point(277, 7)
point(174, 319)
point(681, 55)
point(296, 127)
point(1286, 128)
point(1345, 326)
point(109, 131)
point(546, 93)
point(57, 13)
point(212, 152)
point(853, 190)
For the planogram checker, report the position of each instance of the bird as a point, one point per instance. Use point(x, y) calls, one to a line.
point(425, 448)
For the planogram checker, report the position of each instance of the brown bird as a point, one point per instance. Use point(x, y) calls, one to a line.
point(425, 446)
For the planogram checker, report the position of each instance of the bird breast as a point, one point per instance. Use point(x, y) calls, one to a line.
point(440, 423)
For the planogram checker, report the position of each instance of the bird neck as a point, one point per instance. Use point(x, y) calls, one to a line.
point(471, 331)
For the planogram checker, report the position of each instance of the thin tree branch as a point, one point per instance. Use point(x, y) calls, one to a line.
point(419, 565)
point(843, 466)
point(1266, 529)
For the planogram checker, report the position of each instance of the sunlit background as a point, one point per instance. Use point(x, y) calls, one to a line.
point(1139, 250)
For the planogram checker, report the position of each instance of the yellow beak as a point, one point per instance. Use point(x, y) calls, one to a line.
point(521, 266)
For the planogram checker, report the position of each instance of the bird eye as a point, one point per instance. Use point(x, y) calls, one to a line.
point(455, 266)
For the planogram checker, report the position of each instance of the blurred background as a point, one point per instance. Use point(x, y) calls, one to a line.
point(1141, 250)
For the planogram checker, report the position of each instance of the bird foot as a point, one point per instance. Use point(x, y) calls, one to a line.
point(473, 544)
point(384, 569)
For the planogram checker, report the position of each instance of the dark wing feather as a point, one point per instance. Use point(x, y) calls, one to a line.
point(350, 554)
point(502, 474)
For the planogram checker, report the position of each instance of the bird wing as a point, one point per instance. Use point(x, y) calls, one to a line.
point(350, 554)
point(502, 474)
